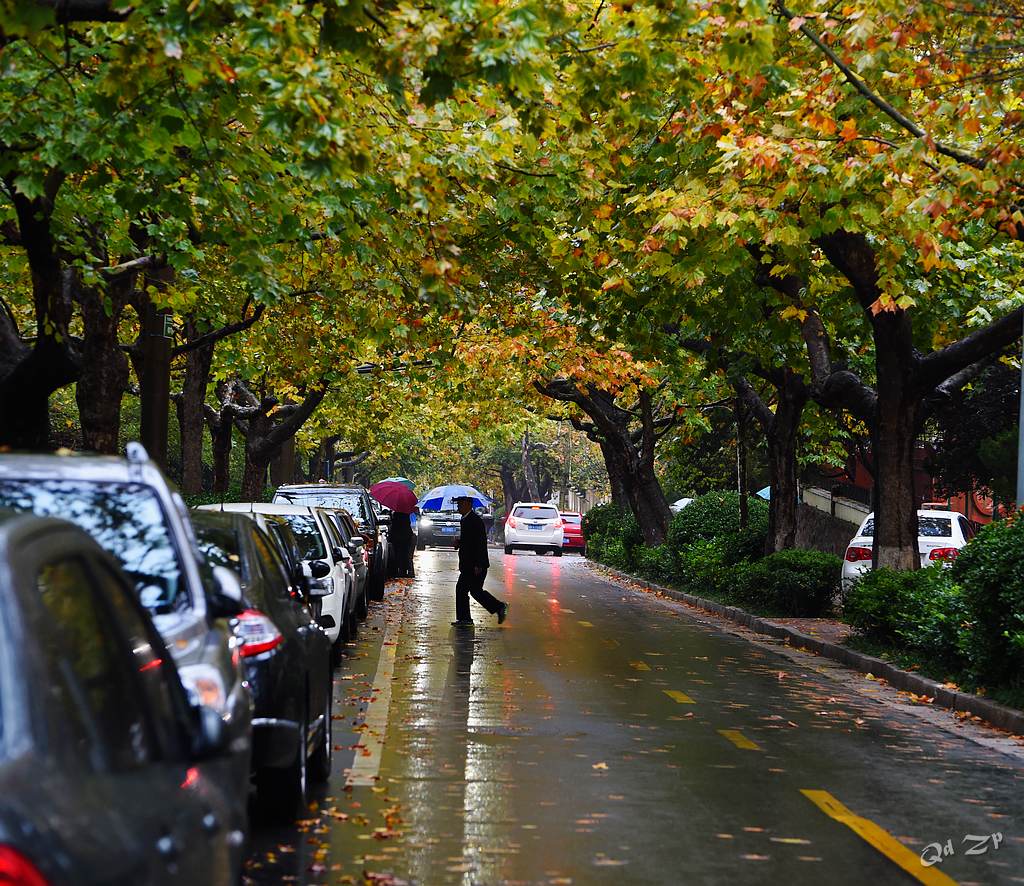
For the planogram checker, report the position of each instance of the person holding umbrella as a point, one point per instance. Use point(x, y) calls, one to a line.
point(473, 565)
point(397, 495)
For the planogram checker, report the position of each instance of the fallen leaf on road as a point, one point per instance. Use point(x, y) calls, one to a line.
point(599, 766)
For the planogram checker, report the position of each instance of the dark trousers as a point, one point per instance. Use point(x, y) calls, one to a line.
point(470, 585)
point(403, 552)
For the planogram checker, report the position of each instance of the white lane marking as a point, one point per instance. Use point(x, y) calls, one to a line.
point(366, 767)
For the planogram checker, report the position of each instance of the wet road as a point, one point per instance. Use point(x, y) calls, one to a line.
point(603, 736)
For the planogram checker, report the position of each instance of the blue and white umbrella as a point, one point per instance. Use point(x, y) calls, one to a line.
point(442, 498)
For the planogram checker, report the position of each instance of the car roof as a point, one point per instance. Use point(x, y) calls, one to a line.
point(259, 507)
point(534, 504)
point(321, 487)
point(77, 466)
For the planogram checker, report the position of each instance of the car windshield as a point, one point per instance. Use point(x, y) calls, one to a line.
point(537, 512)
point(352, 502)
point(311, 543)
point(124, 518)
point(927, 527)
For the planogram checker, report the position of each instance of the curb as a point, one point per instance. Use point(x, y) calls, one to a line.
point(998, 715)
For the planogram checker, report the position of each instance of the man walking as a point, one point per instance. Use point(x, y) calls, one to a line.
point(473, 564)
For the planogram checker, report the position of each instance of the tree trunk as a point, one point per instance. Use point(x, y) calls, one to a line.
point(529, 475)
point(741, 464)
point(190, 414)
point(650, 507)
point(895, 440)
point(782, 466)
point(254, 478)
point(617, 482)
point(220, 422)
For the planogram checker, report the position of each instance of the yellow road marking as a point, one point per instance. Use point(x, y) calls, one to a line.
point(640, 665)
point(586, 624)
point(739, 739)
point(879, 839)
point(366, 767)
point(677, 696)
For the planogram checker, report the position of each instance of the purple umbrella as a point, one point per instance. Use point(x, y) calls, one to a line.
point(396, 496)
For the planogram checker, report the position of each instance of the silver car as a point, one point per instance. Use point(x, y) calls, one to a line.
point(132, 510)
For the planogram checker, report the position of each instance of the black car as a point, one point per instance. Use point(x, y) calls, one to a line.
point(356, 500)
point(285, 658)
point(108, 774)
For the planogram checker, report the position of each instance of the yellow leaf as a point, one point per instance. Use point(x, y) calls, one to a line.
point(849, 130)
point(793, 311)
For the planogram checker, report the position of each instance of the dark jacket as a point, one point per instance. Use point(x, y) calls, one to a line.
point(473, 543)
point(401, 527)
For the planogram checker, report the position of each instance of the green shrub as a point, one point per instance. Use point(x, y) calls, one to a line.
point(922, 611)
point(717, 515)
point(702, 570)
point(614, 553)
point(794, 582)
point(598, 520)
point(656, 564)
point(990, 570)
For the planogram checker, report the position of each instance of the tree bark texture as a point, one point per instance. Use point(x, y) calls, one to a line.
point(191, 407)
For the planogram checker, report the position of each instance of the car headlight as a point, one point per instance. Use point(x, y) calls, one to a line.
point(204, 685)
point(426, 522)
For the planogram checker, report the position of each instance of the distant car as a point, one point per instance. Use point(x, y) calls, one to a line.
point(134, 512)
point(108, 773)
point(941, 535)
point(572, 525)
point(438, 529)
point(286, 658)
point(679, 504)
point(535, 526)
point(357, 501)
point(330, 576)
point(352, 539)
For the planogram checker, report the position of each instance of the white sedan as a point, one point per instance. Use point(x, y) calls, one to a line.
point(534, 525)
point(941, 535)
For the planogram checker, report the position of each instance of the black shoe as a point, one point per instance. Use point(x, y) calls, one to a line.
point(468, 623)
point(503, 613)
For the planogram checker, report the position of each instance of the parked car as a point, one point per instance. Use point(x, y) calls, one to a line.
point(136, 514)
point(941, 535)
point(357, 501)
point(438, 529)
point(108, 772)
point(536, 526)
point(572, 538)
point(330, 577)
point(353, 541)
point(679, 504)
point(286, 658)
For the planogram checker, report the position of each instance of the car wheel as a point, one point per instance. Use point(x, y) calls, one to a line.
point(352, 620)
point(421, 546)
point(320, 762)
point(377, 584)
point(557, 552)
point(508, 549)
point(362, 605)
point(281, 793)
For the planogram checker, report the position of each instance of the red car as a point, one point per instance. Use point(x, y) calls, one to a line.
point(572, 537)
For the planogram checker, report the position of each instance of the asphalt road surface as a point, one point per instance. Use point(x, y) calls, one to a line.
point(604, 735)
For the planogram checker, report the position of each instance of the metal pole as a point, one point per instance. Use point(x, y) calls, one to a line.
point(1020, 436)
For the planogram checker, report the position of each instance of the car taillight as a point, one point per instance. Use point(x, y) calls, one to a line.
point(257, 633)
point(855, 555)
point(511, 523)
point(558, 524)
point(17, 870)
point(944, 554)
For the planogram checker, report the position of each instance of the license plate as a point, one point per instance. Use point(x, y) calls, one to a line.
point(534, 525)
point(448, 530)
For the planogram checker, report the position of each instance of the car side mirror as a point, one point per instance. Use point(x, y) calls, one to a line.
point(340, 554)
point(384, 518)
point(356, 545)
point(227, 600)
point(326, 622)
point(211, 737)
point(319, 569)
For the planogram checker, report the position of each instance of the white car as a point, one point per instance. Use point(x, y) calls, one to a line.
point(941, 535)
point(534, 525)
point(679, 504)
point(333, 591)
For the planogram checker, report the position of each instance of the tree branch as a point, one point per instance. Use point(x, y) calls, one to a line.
point(938, 367)
point(905, 122)
point(216, 335)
